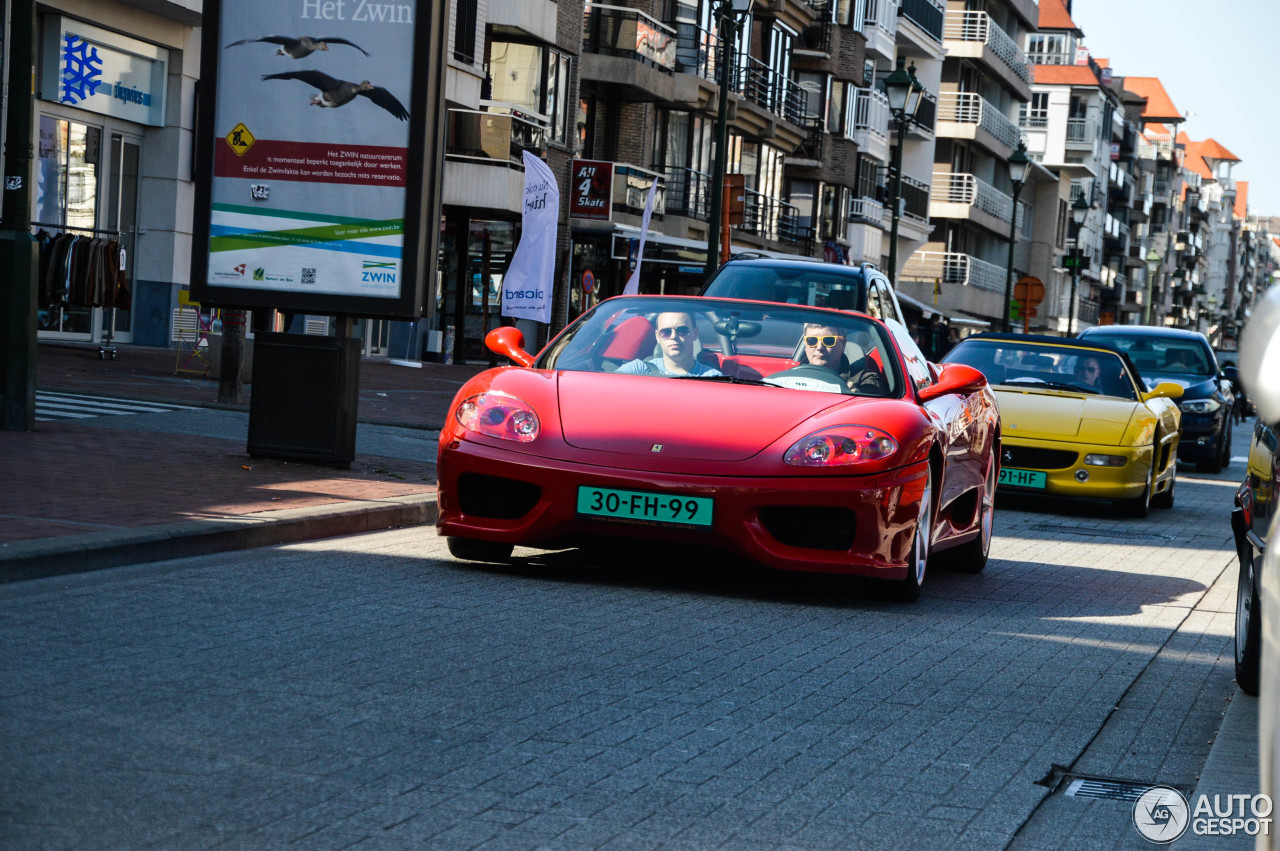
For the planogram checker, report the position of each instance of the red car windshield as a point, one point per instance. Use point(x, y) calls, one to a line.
point(712, 339)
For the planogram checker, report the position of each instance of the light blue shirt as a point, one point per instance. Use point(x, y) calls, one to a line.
point(657, 366)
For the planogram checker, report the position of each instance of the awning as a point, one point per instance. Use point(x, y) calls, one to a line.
point(952, 316)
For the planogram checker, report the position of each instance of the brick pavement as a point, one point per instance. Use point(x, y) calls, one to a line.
point(371, 692)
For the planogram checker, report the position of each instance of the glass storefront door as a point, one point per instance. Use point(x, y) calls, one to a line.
point(70, 154)
point(87, 189)
point(121, 214)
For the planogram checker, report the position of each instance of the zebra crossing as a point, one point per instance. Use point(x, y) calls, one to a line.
point(52, 407)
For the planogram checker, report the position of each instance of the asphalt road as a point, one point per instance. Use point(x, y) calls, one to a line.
point(372, 692)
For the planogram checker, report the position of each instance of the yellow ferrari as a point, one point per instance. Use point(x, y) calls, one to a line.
point(1076, 420)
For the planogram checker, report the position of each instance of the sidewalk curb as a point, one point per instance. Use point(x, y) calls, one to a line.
point(1231, 769)
point(43, 557)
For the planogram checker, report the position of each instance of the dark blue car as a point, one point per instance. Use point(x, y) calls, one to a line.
point(1174, 354)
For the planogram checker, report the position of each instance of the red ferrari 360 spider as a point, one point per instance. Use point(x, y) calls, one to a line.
point(801, 438)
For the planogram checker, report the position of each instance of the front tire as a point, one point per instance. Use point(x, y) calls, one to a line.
point(1164, 499)
point(907, 589)
point(1141, 506)
point(971, 557)
point(470, 549)
point(1248, 626)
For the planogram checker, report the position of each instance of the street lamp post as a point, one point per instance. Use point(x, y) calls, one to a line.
point(1019, 164)
point(904, 92)
point(728, 13)
point(1153, 267)
point(1079, 211)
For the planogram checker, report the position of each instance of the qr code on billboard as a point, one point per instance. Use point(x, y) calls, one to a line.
point(308, 275)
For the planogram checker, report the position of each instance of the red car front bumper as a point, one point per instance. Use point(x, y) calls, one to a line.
point(764, 519)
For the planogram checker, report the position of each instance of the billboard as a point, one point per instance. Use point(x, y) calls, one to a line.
point(318, 167)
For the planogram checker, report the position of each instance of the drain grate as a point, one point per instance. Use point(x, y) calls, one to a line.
point(1101, 533)
point(1108, 790)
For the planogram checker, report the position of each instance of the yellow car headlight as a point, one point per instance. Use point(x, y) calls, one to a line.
point(1105, 460)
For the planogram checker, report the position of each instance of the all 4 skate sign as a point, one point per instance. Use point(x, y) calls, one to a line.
point(103, 72)
point(591, 190)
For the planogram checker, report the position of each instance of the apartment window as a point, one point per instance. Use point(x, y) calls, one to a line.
point(1064, 213)
point(837, 108)
point(559, 80)
point(868, 72)
point(801, 195)
point(849, 13)
point(868, 177)
point(464, 31)
point(533, 78)
point(1035, 113)
point(586, 126)
point(1047, 49)
point(834, 214)
point(814, 86)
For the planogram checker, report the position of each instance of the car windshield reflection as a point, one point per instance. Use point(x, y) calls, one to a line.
point(727, 342)
point(1015, 364)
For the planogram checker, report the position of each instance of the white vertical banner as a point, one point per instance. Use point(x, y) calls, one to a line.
point(530, 280)
point(633, 283)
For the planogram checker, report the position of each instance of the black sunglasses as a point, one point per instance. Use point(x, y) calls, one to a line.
point(677, 331)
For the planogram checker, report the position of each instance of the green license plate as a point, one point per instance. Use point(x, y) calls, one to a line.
point(642, 505)
point(1014, 477)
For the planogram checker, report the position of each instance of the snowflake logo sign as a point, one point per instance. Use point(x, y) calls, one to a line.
point(81, 69)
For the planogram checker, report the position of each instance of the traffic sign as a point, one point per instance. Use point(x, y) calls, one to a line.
point(1029, 291)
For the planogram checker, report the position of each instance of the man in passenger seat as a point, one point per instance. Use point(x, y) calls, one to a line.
point(677, 336)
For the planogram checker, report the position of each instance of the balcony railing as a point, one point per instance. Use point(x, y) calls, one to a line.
point(960, 188)
point(927, 111)
point(978, 27)
point(971, 108)
point(915, 199)
point(619, 31)
point(688, 193)
point(775, 92)
point(492, 136)
point(1081, 130)
point(697, 51)
point(871, 112)
point(772, 218)
point(952, 267)
point(882, 14)
point(928, 15)
point(866, 209)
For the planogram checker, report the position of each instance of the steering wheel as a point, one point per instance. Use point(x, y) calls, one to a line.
point(807, 376)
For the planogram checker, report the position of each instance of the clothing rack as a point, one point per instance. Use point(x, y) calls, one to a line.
point(106, 346)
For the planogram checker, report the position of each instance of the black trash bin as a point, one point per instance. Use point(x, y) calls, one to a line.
point(304, 393)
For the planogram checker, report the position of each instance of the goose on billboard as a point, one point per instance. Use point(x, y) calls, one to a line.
point(311, 160)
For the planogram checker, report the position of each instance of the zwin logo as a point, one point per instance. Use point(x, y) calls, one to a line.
point(375, 272)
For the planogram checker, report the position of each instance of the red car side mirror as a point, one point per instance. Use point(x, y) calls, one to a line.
point(508, 342)
point(953, 378)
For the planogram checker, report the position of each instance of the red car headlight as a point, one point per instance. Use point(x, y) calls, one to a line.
point(499, 415)
point(841, 446)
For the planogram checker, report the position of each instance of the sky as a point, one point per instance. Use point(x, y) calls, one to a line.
point(1218, 61)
